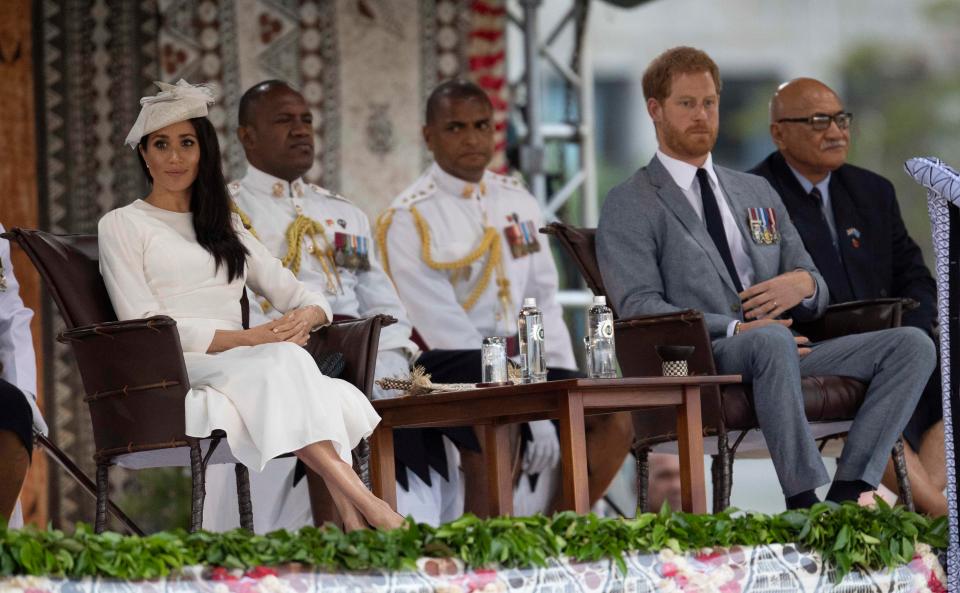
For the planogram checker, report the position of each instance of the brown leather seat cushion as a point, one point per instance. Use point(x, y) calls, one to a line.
point(845, 397)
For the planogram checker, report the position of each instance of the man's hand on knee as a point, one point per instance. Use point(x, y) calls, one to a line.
point(773, 297)
point(803, 342)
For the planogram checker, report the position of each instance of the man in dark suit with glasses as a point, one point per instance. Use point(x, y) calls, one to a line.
point(850, 224)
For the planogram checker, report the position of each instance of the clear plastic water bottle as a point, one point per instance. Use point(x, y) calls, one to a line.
point(533, 368)
point(602, 351)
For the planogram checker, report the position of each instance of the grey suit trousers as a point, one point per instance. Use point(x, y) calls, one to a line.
point(896, 364)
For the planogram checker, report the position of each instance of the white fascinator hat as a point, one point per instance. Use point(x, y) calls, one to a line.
point(174, 103)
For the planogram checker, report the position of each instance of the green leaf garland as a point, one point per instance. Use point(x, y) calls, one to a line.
point(846, 536)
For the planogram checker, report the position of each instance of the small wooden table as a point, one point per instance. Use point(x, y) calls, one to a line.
point(568, 401)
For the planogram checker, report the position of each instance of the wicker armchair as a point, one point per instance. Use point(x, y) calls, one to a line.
point(133, 371)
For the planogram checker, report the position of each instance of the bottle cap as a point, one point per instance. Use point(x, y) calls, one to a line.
point(600, 300)
point(530, 302)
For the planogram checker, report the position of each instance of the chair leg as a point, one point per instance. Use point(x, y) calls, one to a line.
point(243, 496)
point(725, 458)
point(717, 477)
point(103, 487)
point(903, 480)
point(67, 464)
point(642, 454)
point(199, 488)
point(361, 462)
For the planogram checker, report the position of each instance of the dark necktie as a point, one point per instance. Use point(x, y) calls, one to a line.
point(823, 250)
point(711, 216)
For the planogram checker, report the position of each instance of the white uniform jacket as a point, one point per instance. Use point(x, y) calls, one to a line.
point(455, 214)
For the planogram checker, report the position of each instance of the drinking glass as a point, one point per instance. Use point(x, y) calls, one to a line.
point(493, 355)
point(600, 358)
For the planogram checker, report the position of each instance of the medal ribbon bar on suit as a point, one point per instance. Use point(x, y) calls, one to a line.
point(756, 227)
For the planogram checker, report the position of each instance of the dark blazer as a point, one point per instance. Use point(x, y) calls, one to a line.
point(883, 261)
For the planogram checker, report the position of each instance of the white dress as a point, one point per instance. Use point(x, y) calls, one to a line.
point(270, 399)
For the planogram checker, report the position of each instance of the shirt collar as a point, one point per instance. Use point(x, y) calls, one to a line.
point(273, 186)
point(683, 174)
point(455, 186)
point(806, 184)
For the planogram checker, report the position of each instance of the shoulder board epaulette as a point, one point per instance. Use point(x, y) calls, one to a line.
point(326, 192)
point(509, 182)
point(422, 189)
point(234, 188)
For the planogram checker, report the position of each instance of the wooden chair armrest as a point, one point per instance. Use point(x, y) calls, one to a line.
point(856, 317)
point(155, 324)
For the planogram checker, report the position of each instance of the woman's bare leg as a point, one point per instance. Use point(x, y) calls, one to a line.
point(933, 455)
point(351, 517)
point(322, 457)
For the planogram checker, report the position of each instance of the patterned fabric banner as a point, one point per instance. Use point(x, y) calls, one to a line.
point(943, 189)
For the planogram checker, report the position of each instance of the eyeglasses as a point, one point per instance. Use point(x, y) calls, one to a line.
point(821, 121)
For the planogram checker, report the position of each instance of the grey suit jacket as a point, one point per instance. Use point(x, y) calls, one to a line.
point(656, 255)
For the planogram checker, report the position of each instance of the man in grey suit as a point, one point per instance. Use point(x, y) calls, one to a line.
point(683, 233)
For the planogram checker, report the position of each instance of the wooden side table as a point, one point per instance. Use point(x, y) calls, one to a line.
point(568, 401)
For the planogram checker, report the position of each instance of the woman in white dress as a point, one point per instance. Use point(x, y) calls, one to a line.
point(180, 252)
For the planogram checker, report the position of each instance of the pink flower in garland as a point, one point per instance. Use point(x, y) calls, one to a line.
point(258, 572)
point(220, 573)
point(730, 587)
point(669, 569)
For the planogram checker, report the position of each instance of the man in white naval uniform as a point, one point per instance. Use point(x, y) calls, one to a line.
point(463, 249)
point(19, 415)
point(326, 241)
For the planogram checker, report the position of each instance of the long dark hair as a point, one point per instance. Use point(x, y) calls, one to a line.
point(210, 202)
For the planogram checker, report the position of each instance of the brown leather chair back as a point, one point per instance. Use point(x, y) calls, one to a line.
point(358, 341)
point(635, 351)
point(134, 379)
point(70, 268)
point(581, 244)
point(637, 338)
